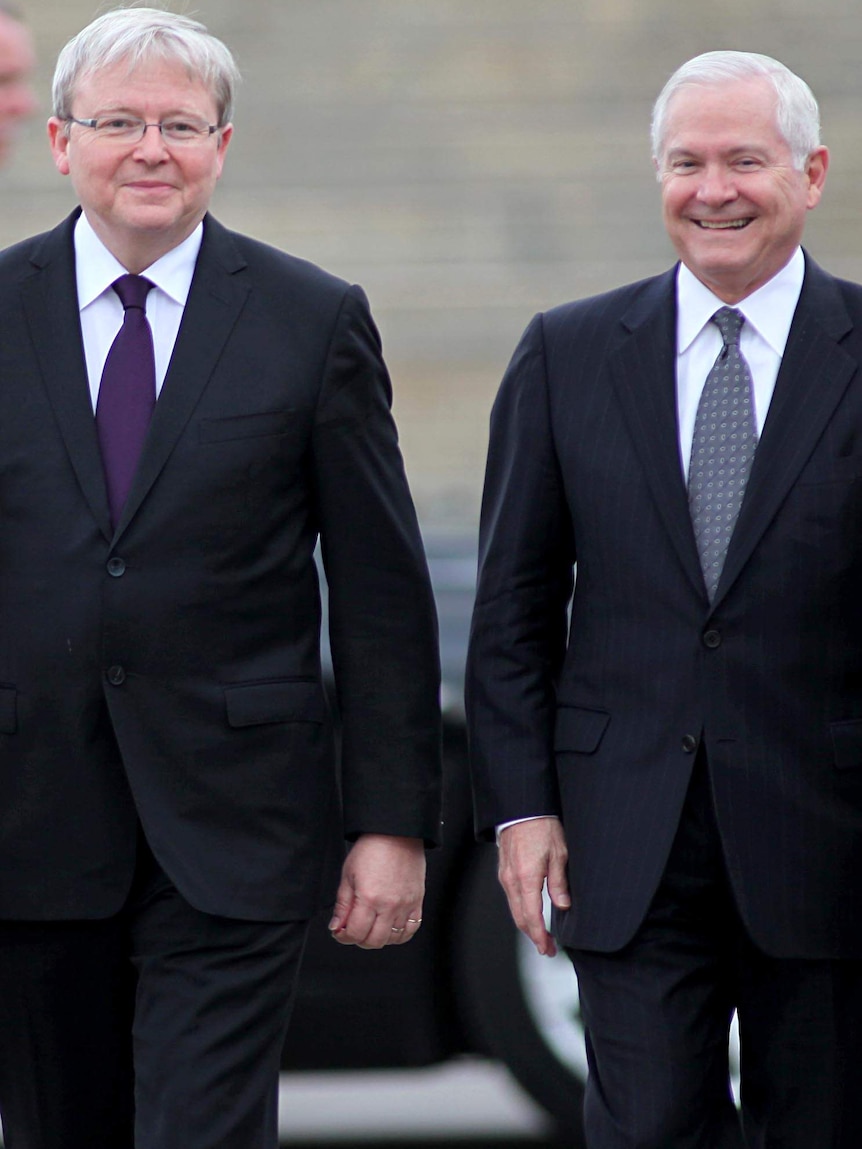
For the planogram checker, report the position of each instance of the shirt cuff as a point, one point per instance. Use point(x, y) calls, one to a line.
point(517, 821)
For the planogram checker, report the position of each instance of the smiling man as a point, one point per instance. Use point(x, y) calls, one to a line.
point(673, 742)
point(184, 413)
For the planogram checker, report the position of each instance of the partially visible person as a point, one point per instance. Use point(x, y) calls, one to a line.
point(17, 60)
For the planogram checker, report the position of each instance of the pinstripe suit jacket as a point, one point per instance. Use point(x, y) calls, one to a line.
point(597, 721)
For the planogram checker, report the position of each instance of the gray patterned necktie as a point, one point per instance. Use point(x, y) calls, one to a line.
point(725, 438)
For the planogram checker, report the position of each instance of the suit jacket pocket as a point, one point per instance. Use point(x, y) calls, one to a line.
point(8, 710)
point(579, 730)
point(245, 426)
point(847, 743)
point(285, 700)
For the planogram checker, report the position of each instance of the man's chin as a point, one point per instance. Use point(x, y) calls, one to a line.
point(149, 217)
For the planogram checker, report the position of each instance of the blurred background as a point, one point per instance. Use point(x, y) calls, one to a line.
point(469, 162)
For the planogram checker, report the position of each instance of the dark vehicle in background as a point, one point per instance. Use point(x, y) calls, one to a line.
point(468, 982)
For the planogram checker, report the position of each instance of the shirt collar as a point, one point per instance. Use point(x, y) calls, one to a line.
point(96, 268)
point(769, 309)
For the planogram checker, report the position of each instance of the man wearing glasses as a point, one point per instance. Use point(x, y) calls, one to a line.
point(183, 412)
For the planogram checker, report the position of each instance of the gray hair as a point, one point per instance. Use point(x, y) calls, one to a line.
point(796, 111)
point(134, 35)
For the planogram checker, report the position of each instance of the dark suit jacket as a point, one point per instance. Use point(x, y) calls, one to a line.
point(600, 724)
point(170, 669)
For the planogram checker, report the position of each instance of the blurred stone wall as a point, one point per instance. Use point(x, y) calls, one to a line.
point(469, 162)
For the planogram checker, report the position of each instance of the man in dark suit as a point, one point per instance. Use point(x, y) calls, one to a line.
point(680, 759)
point(167, 780)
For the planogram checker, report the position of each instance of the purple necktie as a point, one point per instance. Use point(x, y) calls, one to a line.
point(127, 392)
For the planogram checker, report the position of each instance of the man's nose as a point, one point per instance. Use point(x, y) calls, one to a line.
point(717, 185)
point(151, 144)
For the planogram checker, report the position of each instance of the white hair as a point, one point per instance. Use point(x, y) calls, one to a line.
point(796, 112)
point(134, 35)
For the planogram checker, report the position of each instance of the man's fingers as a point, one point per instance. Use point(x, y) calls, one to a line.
point(412, 924)
point(558, 883)
point(382, 886)
point(531, 853)
point(399, 934)
point(340, 913)
point(369, 930)
point(523, 886)
point(526, 909)
point(355, 926)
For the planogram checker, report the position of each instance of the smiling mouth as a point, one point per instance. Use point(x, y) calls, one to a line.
point(149, 188)
point(723, 224)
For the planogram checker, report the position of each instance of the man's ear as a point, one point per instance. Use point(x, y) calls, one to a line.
point(224, 140)
point(59, 141)
point(815, 169)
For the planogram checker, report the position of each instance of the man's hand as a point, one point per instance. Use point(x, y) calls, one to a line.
point(529, 854)
point(379, 898)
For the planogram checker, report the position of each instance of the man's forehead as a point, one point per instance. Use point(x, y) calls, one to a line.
point(735, 114)
point(144, 69)
point(117, 81)
point(754, 92)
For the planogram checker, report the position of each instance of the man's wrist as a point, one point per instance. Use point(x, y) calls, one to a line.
point(517, 821)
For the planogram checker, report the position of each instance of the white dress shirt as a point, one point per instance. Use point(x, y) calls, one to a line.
point(768, 315)
point(102, 313)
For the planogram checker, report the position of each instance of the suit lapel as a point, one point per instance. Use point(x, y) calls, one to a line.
point(215, 301)
point(643, 368)
point(50, 302)
point(815, 371)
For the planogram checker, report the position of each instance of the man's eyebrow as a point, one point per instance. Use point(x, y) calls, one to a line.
point(734, 150)
point(124, 110)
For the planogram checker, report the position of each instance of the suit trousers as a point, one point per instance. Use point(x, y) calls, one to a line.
point(657, 1015)
point(159, 1028)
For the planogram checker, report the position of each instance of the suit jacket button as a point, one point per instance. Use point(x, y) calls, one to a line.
point(689, 743)
point(116, 567)
point(116, 675)
point(712, 639)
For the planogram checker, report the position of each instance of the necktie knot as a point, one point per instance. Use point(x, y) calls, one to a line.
point(132, 290)
point(729, 322)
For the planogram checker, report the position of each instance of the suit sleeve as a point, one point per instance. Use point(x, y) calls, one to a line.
point(518, 633)
point(382, 619)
